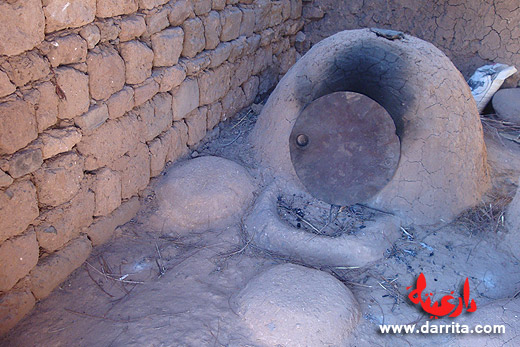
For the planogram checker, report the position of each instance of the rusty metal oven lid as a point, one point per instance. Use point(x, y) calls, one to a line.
point(344, 148)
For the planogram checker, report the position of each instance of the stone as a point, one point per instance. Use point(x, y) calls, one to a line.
point(131, 27)
point(230, 19)
point(112, 8)
point(156, 116)
point(93, 119)
point(56, 141)
point(108, 30)
point(276, 13)
point(218, 4)
point(25, 162)
point(196, 122)
point(156, 20)
point(47, 110)
point(14, 305)
point(178, 147)
point(110, 141)
point(250, 88)
point(185, 98)
point(292, 305)
point(6, 87)
point(180, 11)
point(162, 150)
point(55, 268)
point(266, 37)
point(201, 7)
point(5, 179)
point(212, 29)
point(106, 70)
point(91, 34)
point(220, 54)
point(65, 50)
point(103, 229)
point(263, 59)
point(242, 71)
point(149, 4)
point(22, 28)
point(214, 115)
point(138, 61)
point(291, 27)
point(194, 40)
point(18, 256)
point(282, 45)
point(120, 103)
point(195, 65)
point(169, 77)
point(17, 125)
point(18, 208)
point(506, 103)
point(107, 190)
point(163, 114)
point(56, 227)
point(25, 68)
point(286, 9)
point(296, 9)
point(300, 42)
point(74, 85)
point(167, 46)
point(247, 25)
point(63, 14)
point(145, 91)
point(214, 84)
point(59, 179)
point(182, 129)
point(205, 192)
point(312, 12)
point(239, 47)
point(135, 170)
point(262, 10)
point(233, 102)
point(253, 43)
point(158, 152)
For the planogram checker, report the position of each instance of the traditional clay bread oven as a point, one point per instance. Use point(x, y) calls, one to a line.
point(434, 170)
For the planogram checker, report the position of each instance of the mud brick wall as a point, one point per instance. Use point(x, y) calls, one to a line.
point(470, 32)
point(95, 97)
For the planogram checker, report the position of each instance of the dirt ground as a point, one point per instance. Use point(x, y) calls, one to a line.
point(154, 287)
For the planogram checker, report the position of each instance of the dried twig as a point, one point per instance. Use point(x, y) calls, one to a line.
point(410, 236)
point(242, 119)
point(162, 269)
point(309, 224)
point(96, 282)
point(101, 317)
point(114, 277)
point(231, 142)
point(242, 249)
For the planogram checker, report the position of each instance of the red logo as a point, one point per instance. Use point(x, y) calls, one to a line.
point(445, 307)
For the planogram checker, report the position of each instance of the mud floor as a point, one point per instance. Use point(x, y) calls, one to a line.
point(154, 287)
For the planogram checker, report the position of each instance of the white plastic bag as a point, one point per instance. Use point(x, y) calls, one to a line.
point(487, 80)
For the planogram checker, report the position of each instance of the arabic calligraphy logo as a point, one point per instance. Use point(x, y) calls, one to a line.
point(445, 308)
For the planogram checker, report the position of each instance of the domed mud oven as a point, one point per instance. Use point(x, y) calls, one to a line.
point(375, 117)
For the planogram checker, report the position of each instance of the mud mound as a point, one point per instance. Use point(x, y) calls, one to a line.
point(204, 192)
point(291, 305)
